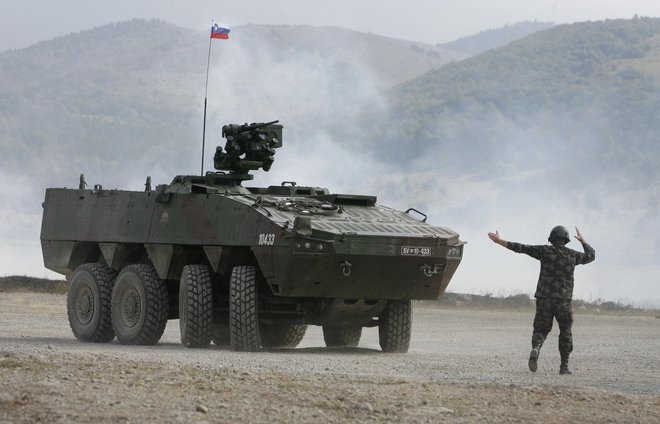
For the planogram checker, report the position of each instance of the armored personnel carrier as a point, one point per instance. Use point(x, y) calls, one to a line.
point(244, 266)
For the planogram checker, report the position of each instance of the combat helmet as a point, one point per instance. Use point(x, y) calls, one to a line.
point(559, 233)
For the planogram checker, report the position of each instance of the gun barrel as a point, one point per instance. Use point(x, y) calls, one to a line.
point(257, 125)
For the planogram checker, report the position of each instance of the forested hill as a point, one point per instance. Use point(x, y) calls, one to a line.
point(492, 38)
point(128, 96)
point(560, 126)
point(583, 92)
point(95, 100)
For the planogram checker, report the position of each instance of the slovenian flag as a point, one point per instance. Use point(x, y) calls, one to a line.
point(218, 31)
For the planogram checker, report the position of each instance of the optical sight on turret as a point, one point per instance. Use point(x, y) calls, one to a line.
point(249, 147)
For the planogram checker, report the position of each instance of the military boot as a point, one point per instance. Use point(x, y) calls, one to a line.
point(563, 368)
point(533, 357)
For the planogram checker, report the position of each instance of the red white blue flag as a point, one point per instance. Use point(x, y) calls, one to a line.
point(219, 31)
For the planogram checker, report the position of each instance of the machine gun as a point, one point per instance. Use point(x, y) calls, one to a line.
point(249, 147)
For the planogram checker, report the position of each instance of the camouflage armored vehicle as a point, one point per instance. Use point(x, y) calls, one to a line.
point(248, 267)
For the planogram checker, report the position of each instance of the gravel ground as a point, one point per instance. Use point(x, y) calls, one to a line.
point(463, 366)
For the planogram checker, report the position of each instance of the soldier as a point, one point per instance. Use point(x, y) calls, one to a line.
point(554, 290)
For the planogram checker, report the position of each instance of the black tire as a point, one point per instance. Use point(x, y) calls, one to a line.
point(195, 306)
point(342, 335)
point(140, 306)
point(282, 335)
point(243, 309)
point(394, 326)
point(88, 303)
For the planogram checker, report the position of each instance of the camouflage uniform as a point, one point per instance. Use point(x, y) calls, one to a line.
point(555, 290)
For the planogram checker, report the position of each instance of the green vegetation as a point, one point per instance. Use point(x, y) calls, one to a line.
point(524, 302)
point(77, 100)
point(40, 285)
point(590, 90)
point(493, 38)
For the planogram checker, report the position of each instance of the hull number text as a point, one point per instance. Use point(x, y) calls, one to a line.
point(266, 239)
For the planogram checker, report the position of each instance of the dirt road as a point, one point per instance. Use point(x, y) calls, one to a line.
point(463, 366)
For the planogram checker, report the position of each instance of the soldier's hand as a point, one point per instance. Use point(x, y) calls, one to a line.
point(578, 236)
point(496, 238)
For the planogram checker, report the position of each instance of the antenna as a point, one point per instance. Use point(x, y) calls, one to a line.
point(206, 87)
point(222, 33)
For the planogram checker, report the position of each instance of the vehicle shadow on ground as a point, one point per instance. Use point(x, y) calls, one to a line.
point(310, 350)
point(333, 350)
point(54, 342)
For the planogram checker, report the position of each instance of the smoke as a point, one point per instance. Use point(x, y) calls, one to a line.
point(311, 92)
point(20, 250)
point(535, 179)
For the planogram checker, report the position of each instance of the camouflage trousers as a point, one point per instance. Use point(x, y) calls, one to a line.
point(548, 309)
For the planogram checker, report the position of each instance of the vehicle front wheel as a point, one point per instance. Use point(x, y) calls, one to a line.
point(394, 326)
point(243, 309)
point(195, 306)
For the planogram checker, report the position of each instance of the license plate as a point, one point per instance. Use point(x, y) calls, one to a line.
point(415, 251)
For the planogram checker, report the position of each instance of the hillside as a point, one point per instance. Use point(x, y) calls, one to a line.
point(592, 85)
point(473, 45)
point(79, 100)
point(389, 60)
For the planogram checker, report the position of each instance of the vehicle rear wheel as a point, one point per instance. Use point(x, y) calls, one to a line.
point(243, 309)
point(394, 326)
point(140, 306)
point(282, 335)
point(342, 335)
point(88, 303)
point(195, 306)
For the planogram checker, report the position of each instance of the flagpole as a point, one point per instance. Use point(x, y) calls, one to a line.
point(206, 87)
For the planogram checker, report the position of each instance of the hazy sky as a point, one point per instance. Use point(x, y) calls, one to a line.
point(24, 22)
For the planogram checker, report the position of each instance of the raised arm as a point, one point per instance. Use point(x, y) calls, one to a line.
point(578, 236)
point(497, 239)
point(535, 252)
point(589, 253)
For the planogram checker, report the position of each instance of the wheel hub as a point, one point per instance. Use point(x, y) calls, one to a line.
point(130, 307)
point(85, 305)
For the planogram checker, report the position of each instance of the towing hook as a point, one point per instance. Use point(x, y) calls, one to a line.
point(345, 268)
point(429, 270)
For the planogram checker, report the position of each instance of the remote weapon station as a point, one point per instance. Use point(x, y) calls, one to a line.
point(242, 266)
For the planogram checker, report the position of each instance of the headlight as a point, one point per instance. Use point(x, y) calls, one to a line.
point(312, 246)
